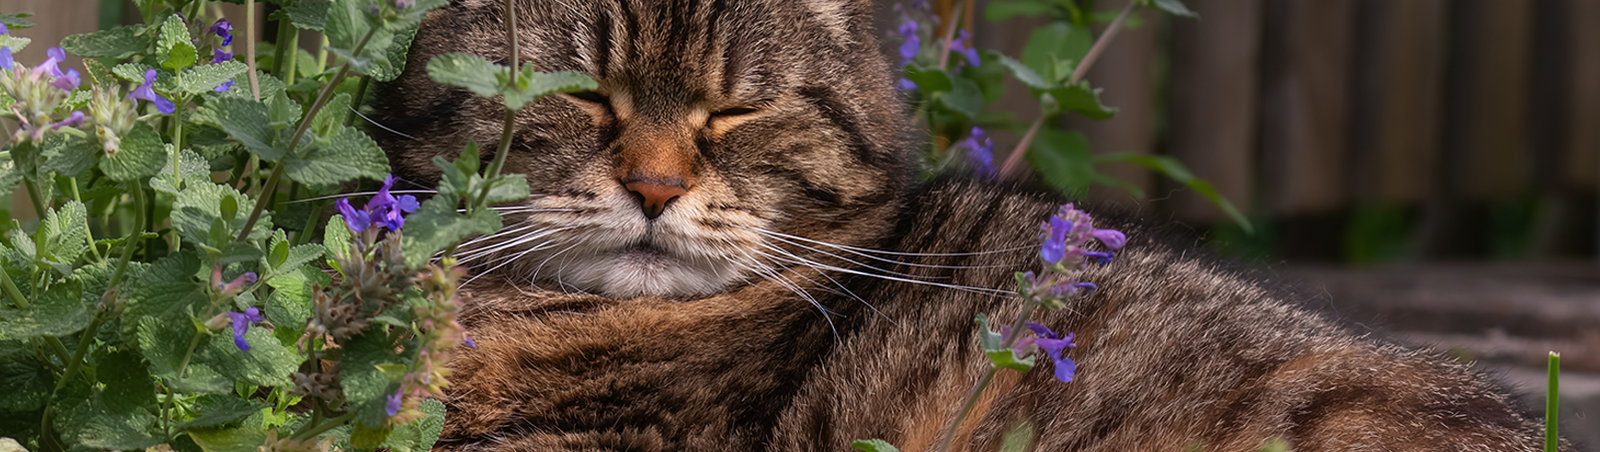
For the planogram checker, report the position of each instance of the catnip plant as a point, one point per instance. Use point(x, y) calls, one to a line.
point(180, 288)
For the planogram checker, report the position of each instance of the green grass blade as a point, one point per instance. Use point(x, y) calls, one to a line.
point(1551, 400)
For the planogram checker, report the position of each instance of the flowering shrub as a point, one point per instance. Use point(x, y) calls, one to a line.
point(175, 292)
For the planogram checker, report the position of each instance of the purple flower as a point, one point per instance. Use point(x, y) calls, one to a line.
point(962, 45)
point(72, 121)
point(5, 58)
point(403, 4)
point(469, 341)
point(1067, 236)
point(384, 209)
point(1111, 237)
point(980, 153)
point(219, 55)
point(145, 92)
point(4, 30)
point(49, 66)
point(224, 86)
point(907, 84)
point(912, 44)
point(224, 29)
point(1055, 244)
point(393, 405)
point(241, 323)
point(1053, 345)
point(68, 81)
point(357, 220)
point(1098, 257)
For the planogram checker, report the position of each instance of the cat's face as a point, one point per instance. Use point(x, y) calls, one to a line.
point(723, 136)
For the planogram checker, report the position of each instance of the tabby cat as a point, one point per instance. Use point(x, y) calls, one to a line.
point(727, 250)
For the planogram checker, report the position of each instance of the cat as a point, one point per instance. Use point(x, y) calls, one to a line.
point(727, 249)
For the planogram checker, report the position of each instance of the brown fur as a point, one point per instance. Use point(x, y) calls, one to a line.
point(780, 116)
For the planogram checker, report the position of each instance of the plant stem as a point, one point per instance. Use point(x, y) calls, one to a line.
point(972, 399)
point(355, 104)
point(299, 132)
point(12, 291)
point(128, 243)
point(330, 425)
point(322, 54)
point(1552, 399)
point(293, 57)
point(280, 45)
point(509, 128)
point(1089, 58)
point(950, 34)
point(33, 195)
point(250, 47)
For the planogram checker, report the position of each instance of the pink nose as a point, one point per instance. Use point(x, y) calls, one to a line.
point(654, 197)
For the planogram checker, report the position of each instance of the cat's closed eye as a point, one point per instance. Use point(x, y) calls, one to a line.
point(591, 96)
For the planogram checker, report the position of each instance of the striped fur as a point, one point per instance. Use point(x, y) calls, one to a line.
point(742, 319)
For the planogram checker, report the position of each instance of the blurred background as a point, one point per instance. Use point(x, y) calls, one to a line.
point(1424, 169)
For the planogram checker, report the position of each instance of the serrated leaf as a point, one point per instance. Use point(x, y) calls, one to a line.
point(128, 384)
point(132, 72)
point(141, 155)
point(475, 73)
point(245, 120)
point(928, 80)
point(437, 225)
point(420, 435)
point(1082, 99)
point(534, 85)
point(68, 155)
point(116, 43)
point(59, 311)
point(197, 207)
point(330, 123)
point(66, 232)
point(1175, 7)
point(167, 294)
point(348, 155)
point(16, 20)
point(97, 427)
point(16, 43)
point(207, 77)
point(1025, 74)
point(175, 45)
point(219, 409)
point(873, 445)
point(365, 386)
point(336, 237)
point(243, 439)
point(192, 170)
point(396, 52)
point(308, 15)
point(290, 302)
point(267, 363)
point(27, 381)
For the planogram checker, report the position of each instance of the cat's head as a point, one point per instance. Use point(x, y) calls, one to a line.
point(724, 135)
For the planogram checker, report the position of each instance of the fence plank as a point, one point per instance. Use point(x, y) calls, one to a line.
point(1582, 162)
point(1305, 104)
point(1396, 118)
point(1214, 110)
point(1487, 106)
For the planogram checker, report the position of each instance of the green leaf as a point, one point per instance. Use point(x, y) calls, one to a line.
point(175, 45)
point(475, 73)
point(192, 170)
point(418, 436)
point(328, 124)
point(308, 15)
point(396, 53)
point(1007, 359)
point(267, 363)
point(964, 98)
point(336, 237)
point(988, 339)
point(95, 426)
point(27, 381)
point(243, 439)
point(365, 387)
point(66, 233)
point(290, 302)
point(17, 43)
point(133, 72)
point(873, 445)
point(1056, 41)
point(1082, 99)
point(128, 384)
point(928, 80)
point(1175, 169)
point(348, 155)
point(534, 85)
point(59, 311)
point(141, 155)
point(1001, 10)
point(198, 206)
point(116, 43)
point(365, 438)
point(245, 120)
point(1025, 75)
point(437, 225)
point(168, 296)
point(1063, 160)
point(219, 409)
point(68, 155)
point(16, 20)
point(1175, 7)
point(207, 77)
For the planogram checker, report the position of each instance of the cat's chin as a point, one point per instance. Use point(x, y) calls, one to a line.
point(636, 272)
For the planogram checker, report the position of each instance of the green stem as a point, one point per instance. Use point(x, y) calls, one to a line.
point(12, 290)
point(250, 47)
point(133, 236)
point(299, 132)
point(310, 227)
point(330, 425)
point(361, 96)
point(322, 54)
point(33, 195)
point(177, 175)
point(1552, 399)
point(972, 399)
point(87, 232)
point(511, 115)
point(293, 57)
point(280, 44)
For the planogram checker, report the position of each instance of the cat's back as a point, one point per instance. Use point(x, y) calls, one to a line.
point(1174, 351)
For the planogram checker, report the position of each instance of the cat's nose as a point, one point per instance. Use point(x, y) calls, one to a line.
point(654, 196)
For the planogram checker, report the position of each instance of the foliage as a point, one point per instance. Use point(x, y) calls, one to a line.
point(173, 292)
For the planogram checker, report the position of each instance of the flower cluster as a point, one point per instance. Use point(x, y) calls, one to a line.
point(39, 93)
point(384, 209)
point(113, 115)
point(438, 334)
point(240, 321)
point(1052, 344)
point(980, 153)
point(1067, 237)
point(223, 29)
